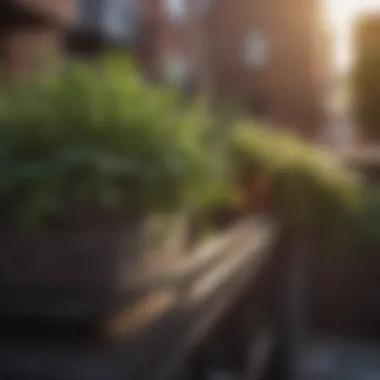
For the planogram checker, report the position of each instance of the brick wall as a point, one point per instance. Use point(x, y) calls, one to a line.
point(291, 87)
point(163, 36)
point(292, 81)
point(29, 50)
point(33, 35)
point(61, 10)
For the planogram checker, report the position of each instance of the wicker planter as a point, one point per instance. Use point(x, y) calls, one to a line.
point(80, 267)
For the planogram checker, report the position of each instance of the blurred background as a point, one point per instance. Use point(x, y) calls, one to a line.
point(189, 189)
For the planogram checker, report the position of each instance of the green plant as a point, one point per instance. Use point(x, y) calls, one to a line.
point(365, 222)
point(310, 188)
point(101, 137)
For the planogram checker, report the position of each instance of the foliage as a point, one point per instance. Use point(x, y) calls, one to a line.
point(312, 191)
point(366, 75)
point(309, 187)
point(365, 223)
point(101, 136)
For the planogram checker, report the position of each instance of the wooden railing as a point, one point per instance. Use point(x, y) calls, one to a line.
point(170, 309)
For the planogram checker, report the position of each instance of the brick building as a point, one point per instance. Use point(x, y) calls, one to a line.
point(269, 56)
point(32, 33)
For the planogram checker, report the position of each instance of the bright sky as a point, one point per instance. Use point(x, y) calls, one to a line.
point(342, 13)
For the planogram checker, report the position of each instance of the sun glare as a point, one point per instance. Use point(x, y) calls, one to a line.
point(342, 14)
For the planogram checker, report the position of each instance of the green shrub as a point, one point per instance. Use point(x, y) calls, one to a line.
point(309, 186)
point(104, 138)
point(365, 223)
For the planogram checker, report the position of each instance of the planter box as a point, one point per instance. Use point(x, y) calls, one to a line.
point(82, 266)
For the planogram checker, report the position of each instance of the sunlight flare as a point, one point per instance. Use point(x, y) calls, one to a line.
point(341, 15)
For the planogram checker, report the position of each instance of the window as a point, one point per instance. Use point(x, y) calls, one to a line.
point(89, 14)
point(175, 68)
point(256, 49)
point(117, 19)
point(120, 19)
point(176, 9)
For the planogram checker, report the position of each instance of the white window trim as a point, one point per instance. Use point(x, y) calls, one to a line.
point(176, 68)
point(119, 18)
point(256, 50)
point(176, 9)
